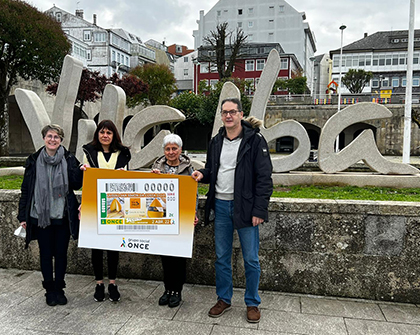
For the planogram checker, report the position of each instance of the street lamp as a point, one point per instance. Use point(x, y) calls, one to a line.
point(342, 27)
point(312, 59)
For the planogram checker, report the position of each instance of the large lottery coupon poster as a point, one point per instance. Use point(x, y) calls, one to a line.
point(138, 212)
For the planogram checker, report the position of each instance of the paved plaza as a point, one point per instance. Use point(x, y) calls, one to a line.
point(23, 311)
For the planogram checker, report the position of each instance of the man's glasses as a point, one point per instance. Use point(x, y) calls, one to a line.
point(232, 112)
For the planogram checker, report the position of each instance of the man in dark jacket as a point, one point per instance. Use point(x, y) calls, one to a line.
point(238, 169)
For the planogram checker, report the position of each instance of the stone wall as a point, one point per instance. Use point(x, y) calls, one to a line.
point(360, 249)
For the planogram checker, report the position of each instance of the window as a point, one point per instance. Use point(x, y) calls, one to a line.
point(249, 85)
point(257, 81)
point(362, 61)
point(86, 35)
point(99, 37)
point(250, 37)
point(126, 61)
point(281, 9)
point(416, 81)
point(213, 83)
point(249, 65)
point(58, 16)
point(416, 58)
point(113, 55)
point(381, 60)
point(118, 57)
point(240, 11)
point(250, 24)
point(355, 61)
point(395, 82)
point(368, 61)
point(250, 11)
point(185, 72)
point(88, 55)
point(219, 13)
point(185, 59)
point(270, 23)
point(403, 59)
point(212, 53)
point(385, 82)
point(388, 60)
point(270, 37)
point(375, 60)
point(271, 10)
point(375, 82)
point(348, 61)
point(260, 64)
point(404, 82)
point(239, 24)
point(284, 64)
point(204, 68)
point(394, 59)
point(336, 61)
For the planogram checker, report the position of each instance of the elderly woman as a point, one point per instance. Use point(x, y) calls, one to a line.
point(106, 151)
point(174, 268)
point(48, 208)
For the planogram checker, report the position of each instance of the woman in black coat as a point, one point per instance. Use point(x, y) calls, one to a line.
point(48, 208)
point(106, 151)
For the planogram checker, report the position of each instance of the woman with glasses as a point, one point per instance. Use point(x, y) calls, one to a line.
point(48, 208)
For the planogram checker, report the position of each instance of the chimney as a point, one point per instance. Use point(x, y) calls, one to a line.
point(79, 13)
point(94, 19)
point(365, 35)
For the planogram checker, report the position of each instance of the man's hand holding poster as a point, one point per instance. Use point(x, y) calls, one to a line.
point(138, 212)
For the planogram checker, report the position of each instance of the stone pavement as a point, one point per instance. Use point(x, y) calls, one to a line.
point(23, 311)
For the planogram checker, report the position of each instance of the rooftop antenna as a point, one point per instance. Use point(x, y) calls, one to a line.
point(77, 5)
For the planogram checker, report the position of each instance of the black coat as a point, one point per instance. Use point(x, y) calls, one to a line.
point(92, 156)
point(253, 183)
point(71, 209)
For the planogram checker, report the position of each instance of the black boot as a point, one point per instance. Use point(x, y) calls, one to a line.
point(61, 298)
point(50, 295)
point(175, 299)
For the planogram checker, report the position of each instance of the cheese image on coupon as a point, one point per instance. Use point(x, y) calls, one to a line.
point(115, 209)
point(137, 208)
point(155, 209)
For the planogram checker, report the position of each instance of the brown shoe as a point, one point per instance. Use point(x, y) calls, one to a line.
point(253, 314)
point(218, 309)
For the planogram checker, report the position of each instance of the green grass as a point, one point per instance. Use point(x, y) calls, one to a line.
point(347, 192)
point(10, 182)
point(299, 191)
point(340, 192)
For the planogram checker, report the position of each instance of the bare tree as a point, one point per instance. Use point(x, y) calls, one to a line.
point(221, 40)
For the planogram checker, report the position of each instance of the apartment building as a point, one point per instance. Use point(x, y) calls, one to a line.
point(384, 53)
point(264, 21)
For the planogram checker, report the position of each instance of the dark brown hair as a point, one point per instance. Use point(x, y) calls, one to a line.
point(116, 143)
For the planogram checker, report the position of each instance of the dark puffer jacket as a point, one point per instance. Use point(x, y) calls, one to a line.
point(253, 183)
point(27, 191)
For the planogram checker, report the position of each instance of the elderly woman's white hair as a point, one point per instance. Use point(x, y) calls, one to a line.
point(172, 139)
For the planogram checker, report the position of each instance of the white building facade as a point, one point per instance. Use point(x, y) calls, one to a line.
point(107, 50)
point(264, 21)
point(385, 55)
point(184, 72)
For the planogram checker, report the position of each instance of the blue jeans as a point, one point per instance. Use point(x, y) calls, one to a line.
point(249, 238)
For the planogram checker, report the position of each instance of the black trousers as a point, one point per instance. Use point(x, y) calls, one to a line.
point(98, 263)
point(174, 272)
point(53, 242)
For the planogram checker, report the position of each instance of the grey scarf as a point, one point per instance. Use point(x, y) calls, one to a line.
point(59, 183)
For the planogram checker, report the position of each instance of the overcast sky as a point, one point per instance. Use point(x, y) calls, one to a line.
point(175, 20)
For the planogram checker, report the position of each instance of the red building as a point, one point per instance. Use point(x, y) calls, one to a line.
point(179, 50)
point(249, 65)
